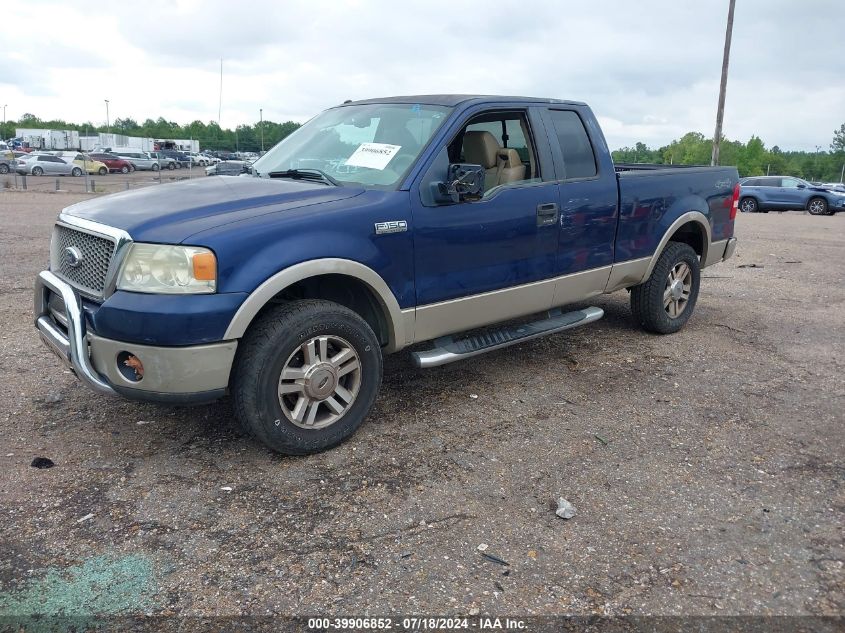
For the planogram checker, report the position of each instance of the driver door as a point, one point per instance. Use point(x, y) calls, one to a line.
point(487, 260)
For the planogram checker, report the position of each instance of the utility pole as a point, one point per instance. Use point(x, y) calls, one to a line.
point(720, 111)
point(261, 118)
point(4, 118)
point(108, 126)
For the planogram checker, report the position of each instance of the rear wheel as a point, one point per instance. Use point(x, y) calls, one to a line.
point(4, 168)
point(665, 301)
point(124, 169)
point(748, 205)
point(156, 167)
point(102, 171)
point(171, 166)
point(76, 171)
point(306, 376)
point(817, 206)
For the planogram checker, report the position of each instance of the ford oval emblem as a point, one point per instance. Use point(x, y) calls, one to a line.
point(72, 256)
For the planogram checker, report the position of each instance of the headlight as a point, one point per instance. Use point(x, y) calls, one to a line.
point(165, 269)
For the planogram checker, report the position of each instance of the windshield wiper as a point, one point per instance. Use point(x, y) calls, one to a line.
point(305, 174)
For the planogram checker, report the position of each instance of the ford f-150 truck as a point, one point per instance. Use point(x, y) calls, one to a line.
point(376, 225)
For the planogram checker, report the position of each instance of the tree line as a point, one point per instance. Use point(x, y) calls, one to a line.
point(751, 158)
point(243, 138)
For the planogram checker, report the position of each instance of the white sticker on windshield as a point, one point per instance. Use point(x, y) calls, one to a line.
point(373, 155)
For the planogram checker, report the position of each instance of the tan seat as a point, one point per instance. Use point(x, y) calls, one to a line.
point(501, 165)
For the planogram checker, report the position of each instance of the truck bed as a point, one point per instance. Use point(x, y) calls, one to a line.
point(651, 194)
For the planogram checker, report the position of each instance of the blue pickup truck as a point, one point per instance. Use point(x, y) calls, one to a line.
point(376, 225)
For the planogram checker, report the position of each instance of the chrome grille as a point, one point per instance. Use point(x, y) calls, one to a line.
point(95, 254)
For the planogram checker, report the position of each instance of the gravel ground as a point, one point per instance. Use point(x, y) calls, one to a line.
point(706, 467)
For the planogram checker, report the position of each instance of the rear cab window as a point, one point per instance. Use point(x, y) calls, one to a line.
point(579, 158)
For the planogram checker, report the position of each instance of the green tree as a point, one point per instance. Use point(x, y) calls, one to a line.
point(838, 144)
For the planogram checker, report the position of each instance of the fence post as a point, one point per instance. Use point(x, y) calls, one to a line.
point(57, 184)
point(23, 180)
point(127, 185)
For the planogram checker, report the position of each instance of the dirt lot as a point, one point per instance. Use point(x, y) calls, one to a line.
point(706, 467)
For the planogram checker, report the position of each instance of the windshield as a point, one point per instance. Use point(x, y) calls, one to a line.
point(372, 145)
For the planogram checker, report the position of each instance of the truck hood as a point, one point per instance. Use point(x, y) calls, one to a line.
point(170, 213)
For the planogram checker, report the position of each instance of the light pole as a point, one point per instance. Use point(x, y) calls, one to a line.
point(4, 121)
point(261, 118)
point(108, 127)
point(720, 110)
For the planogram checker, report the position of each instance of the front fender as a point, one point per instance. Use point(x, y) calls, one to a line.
point(304, 270)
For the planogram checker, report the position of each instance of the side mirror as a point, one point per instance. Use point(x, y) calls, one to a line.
point(463, 182)
point(802, 186)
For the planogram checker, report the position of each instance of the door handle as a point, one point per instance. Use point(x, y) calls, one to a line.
point(547, 214)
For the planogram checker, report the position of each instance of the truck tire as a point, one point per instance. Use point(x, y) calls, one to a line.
point(749, 205)
point(305, 376)
point(817, 206)
point(665, 301)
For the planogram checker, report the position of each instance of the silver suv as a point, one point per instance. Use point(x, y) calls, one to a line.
point(141, 160)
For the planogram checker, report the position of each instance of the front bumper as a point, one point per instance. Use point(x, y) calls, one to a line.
point(194, 373)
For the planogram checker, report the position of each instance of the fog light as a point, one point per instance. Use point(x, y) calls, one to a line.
point(130, 366)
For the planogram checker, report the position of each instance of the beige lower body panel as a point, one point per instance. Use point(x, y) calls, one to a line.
point(175, 370)
point(466, 313)
point(627, 274)
point(716, 253)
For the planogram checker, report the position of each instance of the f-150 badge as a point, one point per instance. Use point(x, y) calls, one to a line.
point(391, 226)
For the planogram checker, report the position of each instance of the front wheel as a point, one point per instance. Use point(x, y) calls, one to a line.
point(664, 302)
point(171, 166)
point(305, 377)
point(102, 171)
point(156, 167)
point(76, 171)
point(37, 171)
point(124, 169)
point(817, 206)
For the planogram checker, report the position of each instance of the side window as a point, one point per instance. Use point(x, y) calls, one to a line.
point(790, 183)
point(500, 142)
point(578, 157)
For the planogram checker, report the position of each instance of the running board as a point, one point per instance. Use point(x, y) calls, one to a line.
point(448, 350)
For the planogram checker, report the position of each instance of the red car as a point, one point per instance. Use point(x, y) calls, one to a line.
point(114, 163)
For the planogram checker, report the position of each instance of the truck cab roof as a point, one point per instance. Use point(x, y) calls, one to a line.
point(451, 100)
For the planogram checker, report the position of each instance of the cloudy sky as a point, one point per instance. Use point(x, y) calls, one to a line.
point(649, 68)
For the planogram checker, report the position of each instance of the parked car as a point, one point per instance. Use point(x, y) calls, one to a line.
point(285, 288)
point(89, 164)
point(48, 165)
point(114, 162)
point(180, 158)
point(164, 161)
point(768, 193)
point(141, 161)
point(227, 168)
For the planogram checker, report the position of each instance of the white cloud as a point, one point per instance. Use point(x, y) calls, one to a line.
point(650, 69)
